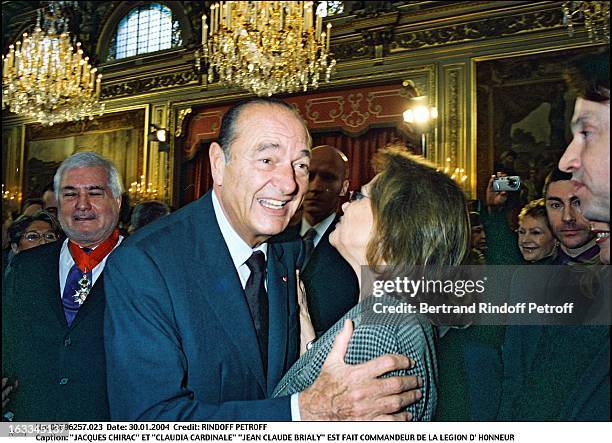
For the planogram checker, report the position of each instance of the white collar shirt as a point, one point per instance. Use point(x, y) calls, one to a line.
point(66, 262)
point(239, 250)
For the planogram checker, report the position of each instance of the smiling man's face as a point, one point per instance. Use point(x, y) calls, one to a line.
point(263, 182)
point(88, 212)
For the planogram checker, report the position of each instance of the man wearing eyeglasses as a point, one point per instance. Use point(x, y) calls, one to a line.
point(53, 363)
point(330, 283)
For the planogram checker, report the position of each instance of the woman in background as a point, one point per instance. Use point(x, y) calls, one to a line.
point(535, 238)
point(408, 215)
point(30, 231)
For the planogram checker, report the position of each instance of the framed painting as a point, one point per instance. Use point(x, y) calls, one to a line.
point(118, 136)
point(523, 110)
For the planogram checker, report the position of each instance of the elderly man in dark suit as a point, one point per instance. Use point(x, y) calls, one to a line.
point(201, 319)
point(330, 282)
point(53, 302)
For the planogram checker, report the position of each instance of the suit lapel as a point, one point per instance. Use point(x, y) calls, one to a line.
point(321, 247)
point(277, 286)
point(53, 293)
point(225, 294)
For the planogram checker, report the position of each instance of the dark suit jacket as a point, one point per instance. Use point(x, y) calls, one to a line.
point(554, 372)
point(543, 380)
point(331, 285)
point(180, 341)
point(61, 370)
point(470, 373)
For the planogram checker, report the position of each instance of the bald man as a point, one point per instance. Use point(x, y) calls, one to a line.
point(331, 285)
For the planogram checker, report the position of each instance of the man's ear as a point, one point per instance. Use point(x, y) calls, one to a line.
point(345, 185)
point(217, 162)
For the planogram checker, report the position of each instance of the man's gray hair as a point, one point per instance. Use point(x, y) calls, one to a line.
point(89, 160)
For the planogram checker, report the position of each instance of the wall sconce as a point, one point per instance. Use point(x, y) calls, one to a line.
point(420, 114)
point(160, 135)
point(140, 191)
point(455, 173)
point(10, 195)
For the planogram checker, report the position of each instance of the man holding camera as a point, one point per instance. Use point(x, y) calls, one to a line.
point(502, 206)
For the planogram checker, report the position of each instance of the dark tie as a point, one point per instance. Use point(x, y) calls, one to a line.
point(257, 299)
point(308, 240)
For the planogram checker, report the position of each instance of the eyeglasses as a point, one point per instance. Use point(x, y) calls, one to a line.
point(356, 195)
point(34, 236)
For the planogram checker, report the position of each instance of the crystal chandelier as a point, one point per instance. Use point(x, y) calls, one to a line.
point(266, 47)
point(594, 15)
point(44, 78)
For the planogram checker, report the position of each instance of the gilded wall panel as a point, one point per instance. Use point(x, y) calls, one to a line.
point(454, 151)
point(118, 136)
point(12, 166)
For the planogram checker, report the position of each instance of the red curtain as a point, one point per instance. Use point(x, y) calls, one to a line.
point(360, 150)
point(196, 178)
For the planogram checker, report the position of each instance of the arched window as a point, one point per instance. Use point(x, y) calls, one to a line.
point(146, 28)
point(330, 8)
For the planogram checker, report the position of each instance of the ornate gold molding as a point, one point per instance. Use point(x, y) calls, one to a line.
point(454, 120)
point(149, 84)
point(13, 145)
point(180, 121)
point(505, 25)
point(400, 39)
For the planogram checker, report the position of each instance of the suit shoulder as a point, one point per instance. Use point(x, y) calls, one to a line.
point(173, 230)
point(289, 247)
point(36, 257)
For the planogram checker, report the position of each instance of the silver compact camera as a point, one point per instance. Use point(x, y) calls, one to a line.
point(507, 184)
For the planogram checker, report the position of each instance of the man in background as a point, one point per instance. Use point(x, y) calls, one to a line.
point(567, 222)
point(330, 283)
point(147, 212)
point(53, 302)
point(478, 240)
point(49, 200)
